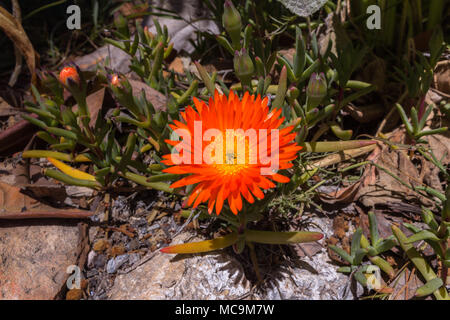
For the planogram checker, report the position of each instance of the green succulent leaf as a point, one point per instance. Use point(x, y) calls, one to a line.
point(359, 256)
point(385, 245)
point(423, 235)
point(405, 120)
point(342, 253)
point(428, 218)
point(412, 227)
point(429, 287)
point(345, 269)
point(356, 241)
point(360, 277)
point(420, 263)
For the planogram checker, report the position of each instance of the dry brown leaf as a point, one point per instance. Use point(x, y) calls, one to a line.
point(380, 188)
point(16, 137)
point(94, 102)
point(6, 110)
point(442, 76)
point(343, 195)
point(16, 205)
point(157, 99)
point(177, 65)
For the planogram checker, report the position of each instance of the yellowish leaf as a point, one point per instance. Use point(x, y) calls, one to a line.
point(74, 173)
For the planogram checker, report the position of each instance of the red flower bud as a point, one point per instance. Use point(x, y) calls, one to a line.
point(69, 73)
point(115, 80)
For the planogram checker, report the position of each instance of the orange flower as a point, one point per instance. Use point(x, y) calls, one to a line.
point(69, 73)
point(233, 162)
point(115, 80)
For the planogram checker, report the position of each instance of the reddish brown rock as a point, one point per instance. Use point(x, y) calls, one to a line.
point(34, 258)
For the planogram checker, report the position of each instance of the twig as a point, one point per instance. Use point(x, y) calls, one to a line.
point(47, 215)
point(440, 92)
point(341, 156)
point(125, 232)
point(18, 15)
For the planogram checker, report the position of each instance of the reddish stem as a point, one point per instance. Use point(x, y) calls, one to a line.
point(421, 108)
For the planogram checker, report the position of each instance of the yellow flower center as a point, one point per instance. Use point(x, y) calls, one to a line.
point(236, 154)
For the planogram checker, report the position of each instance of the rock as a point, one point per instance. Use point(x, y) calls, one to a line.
point(115, 263)
point(312, 278)
point(209, 276)
point(303, 8)
point(219, 275)
point(302, 283)
point(78, 192)
point(34, 259)
point(134, 257)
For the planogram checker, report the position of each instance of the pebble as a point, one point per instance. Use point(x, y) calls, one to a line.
point(100, 261)
point(132, 245)
point(117, 250)
point(115, 263)
point(91, 273)
point(138, 222)
point(100, 245)
point(90, 259)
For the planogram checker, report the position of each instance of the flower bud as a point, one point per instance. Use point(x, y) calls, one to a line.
point(243, 66)
point(115, 80)
point(150, 36)
point(316, 90)
point(69, 73)
point(292, 94)
point(231, 21)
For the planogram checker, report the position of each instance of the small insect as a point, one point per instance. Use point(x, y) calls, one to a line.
point(271, 98)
